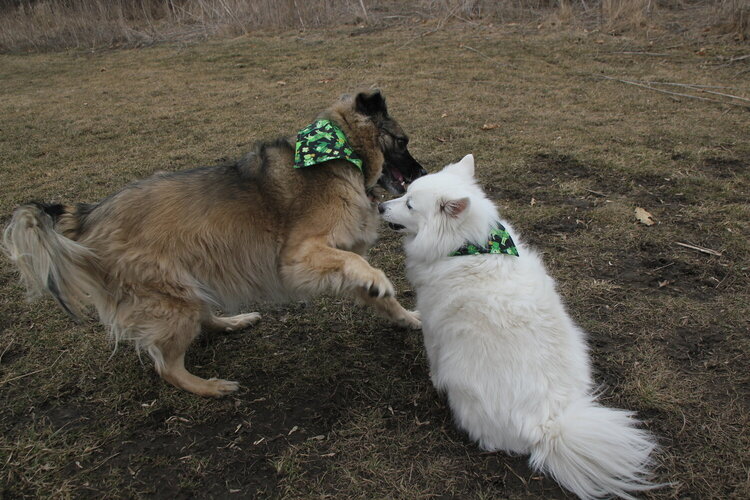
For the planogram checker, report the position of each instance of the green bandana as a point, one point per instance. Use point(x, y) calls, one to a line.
point(323, 141)
point(499, 241)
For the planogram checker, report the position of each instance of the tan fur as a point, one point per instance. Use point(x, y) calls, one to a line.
point(155, 257)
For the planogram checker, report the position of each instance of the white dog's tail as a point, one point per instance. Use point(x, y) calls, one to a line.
point(595, 451)
point(48, 261)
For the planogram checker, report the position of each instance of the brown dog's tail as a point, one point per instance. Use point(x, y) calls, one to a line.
point(50, 262)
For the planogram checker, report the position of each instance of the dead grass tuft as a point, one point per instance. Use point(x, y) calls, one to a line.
point(621, 15)
point(733, 17)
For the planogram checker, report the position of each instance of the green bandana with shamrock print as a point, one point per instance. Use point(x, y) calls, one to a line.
point(498, 241)
point(323, 141)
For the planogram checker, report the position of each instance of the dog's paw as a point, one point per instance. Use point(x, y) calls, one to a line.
point(218, 387)
point(412, 319)
point(240, 321)
point(378, 285)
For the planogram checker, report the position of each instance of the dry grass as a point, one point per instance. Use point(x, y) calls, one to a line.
point(335, 402)
point(733, 17)
point(89, 24)
point(53, 24)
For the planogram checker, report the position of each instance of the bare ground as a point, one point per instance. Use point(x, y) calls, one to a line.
point(336, 402)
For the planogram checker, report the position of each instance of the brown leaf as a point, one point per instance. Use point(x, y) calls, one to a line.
point(281, 83)
point(644, 217)
point(489, 126)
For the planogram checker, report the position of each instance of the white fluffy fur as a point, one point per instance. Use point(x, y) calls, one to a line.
point(500, 343)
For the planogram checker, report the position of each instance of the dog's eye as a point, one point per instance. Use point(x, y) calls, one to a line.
point(401, 142)
point(408, 205)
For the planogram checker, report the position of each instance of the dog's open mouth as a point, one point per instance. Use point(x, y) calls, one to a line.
point(393, 180)
point(396, 227)
point(399, 171)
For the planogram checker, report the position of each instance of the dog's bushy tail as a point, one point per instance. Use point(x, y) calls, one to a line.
point(596, 452)
point(50, 263)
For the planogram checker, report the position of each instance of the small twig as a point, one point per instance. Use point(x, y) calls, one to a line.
point(699, 249)
point(515, 474)
point(662, 267)
point(35, 371)
point(364, 10)
point(6, 349)
point(421, 35)
point(463, 46)
point(657, 54)
point(598, 193)
point(102, 462)
point(741, 58)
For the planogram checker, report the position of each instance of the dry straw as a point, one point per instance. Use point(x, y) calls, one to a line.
point(62, 24)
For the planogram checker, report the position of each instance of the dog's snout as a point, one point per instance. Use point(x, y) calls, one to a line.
point(381, 208)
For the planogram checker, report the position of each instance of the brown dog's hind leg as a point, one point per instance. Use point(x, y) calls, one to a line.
point(229, 323)
point(175, 373)
point(169, 344)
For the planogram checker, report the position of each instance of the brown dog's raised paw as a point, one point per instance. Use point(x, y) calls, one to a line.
point(412, 319)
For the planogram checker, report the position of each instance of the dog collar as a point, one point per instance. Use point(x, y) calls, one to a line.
point(323, 141)
point(498, 241)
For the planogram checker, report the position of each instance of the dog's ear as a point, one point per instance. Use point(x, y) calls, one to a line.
point(371, 103)
point(465, 167)
point(454, 208)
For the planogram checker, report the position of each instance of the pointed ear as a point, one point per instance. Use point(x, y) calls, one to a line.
point(371, 103)
point(465, 167)
point(454, 208)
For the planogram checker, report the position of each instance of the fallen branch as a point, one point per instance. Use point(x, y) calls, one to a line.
point(699, 249)
point(657, 54)
point(725, 95)
point(693, 85)
point(680, 94)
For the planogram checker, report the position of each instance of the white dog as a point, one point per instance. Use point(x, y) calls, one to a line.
point(501, 345)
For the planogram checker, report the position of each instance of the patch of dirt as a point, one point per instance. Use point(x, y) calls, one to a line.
point(725, 168)
point(690, 345)
point(544, 172)
point(566, 224)
point(558, 165)
point(672, 276)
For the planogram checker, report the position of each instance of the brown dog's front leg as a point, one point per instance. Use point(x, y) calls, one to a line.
point(314, 268)
point(390, 308)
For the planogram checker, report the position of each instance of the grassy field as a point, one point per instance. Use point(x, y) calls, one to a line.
point(335, 402)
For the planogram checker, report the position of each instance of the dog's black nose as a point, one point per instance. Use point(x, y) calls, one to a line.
point(381, 208)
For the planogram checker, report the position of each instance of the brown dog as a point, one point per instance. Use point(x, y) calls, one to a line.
point(154, 257)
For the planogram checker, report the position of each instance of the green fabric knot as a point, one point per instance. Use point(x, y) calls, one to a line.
point(498, 242)
point(323, 141)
